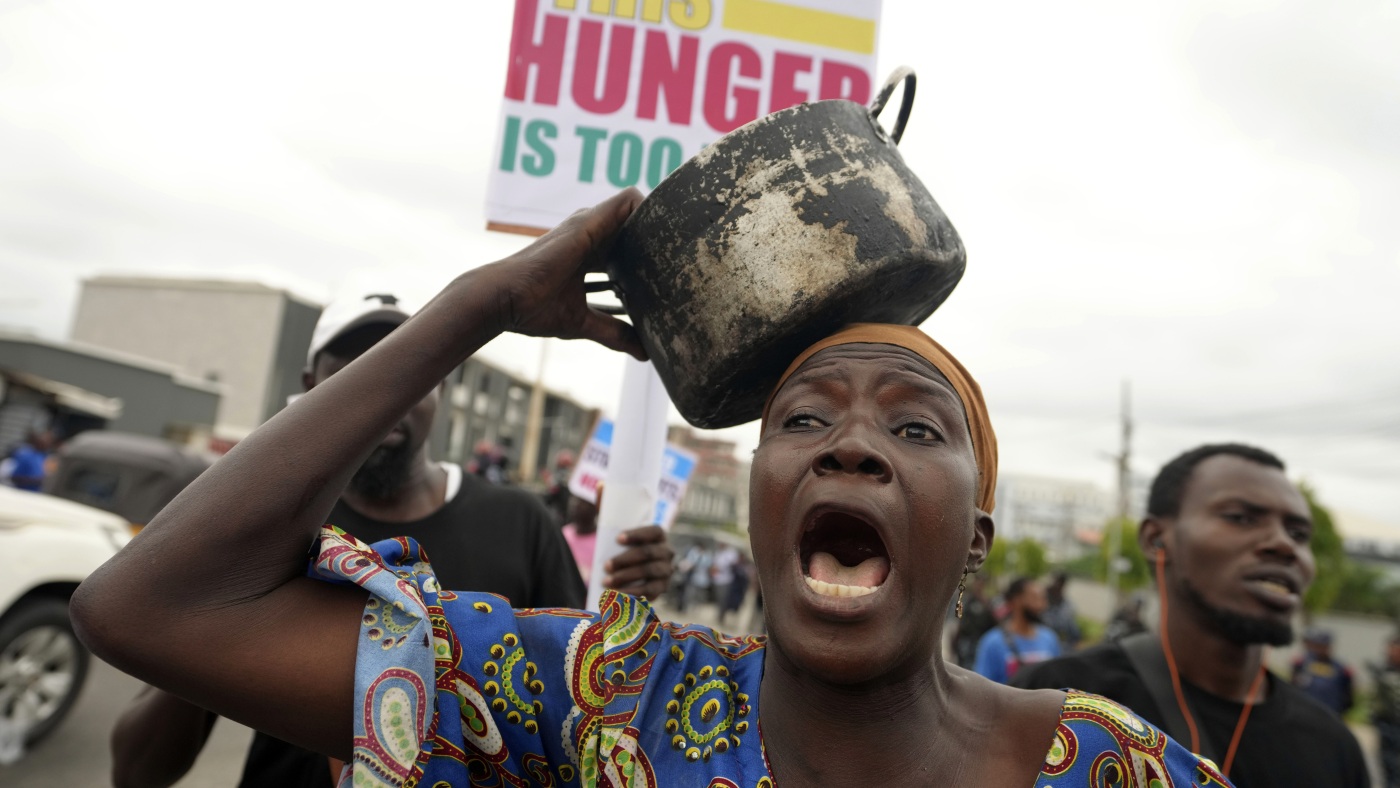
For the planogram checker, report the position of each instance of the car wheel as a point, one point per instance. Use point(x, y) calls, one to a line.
point(42, 667)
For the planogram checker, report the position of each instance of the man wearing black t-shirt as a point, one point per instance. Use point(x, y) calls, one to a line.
point(481, 537)
point(1230, 536)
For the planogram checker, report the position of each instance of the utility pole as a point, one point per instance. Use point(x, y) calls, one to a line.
point(1124, 462)
point(534, 421)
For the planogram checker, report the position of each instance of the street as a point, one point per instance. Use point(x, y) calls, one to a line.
point(77, 754)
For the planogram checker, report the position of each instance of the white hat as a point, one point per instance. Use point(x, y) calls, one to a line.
point(342, 316)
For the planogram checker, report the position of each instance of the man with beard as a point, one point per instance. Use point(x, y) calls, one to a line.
point(1021, 639)
point(485, 537)
point(1229, 535)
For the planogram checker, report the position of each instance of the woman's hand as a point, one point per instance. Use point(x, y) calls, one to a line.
point(541, 286)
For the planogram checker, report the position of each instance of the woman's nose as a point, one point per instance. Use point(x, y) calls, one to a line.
point(849, 453)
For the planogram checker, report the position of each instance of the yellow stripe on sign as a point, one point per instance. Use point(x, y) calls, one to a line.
point(796, 23)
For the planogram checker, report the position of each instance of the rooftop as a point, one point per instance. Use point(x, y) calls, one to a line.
point(207, 285)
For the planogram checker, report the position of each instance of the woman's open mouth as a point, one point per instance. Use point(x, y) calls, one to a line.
point(843, 556)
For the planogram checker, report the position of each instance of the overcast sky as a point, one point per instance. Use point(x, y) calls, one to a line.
point(1199, 197)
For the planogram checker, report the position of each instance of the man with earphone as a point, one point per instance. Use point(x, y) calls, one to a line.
point(1229, 537)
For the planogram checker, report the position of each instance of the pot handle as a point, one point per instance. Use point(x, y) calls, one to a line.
point(604, 286)
point(903, 74)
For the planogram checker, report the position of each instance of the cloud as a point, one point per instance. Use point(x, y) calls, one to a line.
point(1196, 197)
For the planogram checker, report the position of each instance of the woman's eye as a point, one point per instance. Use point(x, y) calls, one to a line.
point(802, 421)
point(915, 431)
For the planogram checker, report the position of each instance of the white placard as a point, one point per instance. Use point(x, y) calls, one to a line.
point(605, 94)
point(677, 466)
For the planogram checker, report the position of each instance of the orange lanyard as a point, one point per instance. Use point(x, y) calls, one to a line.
point(1176, 679)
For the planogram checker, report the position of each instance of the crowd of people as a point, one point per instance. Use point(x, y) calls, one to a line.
point(437, 635)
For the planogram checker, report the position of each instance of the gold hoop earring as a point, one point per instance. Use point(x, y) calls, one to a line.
point(962, 587)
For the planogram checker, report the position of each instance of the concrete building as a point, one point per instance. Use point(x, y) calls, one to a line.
point(249, 337)
point(486, 403)
point(47, 379)
point(1063, 515)
point(714, 495)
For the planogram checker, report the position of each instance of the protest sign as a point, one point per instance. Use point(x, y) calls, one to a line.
point(677, 465)
point(605, 94)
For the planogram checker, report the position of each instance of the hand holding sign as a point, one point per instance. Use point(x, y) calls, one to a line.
point(644, 568)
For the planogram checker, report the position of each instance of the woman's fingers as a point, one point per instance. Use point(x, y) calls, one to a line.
point(613, 213)
point(597, 225)
point(613, 333)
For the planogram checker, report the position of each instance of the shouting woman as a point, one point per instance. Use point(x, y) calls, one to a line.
point(871, 504)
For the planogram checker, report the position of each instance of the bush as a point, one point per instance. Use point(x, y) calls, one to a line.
point(1016, 558)
point(1137, 574)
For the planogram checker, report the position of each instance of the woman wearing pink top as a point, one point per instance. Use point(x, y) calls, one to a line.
point(582, 533)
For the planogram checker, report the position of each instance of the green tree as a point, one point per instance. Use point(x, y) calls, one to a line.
point(1015, 558)
point(1361, 589)
point(1134, 573)
point(1334, 569)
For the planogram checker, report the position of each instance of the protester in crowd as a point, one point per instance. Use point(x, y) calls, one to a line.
point(686, 564)
point(499, 540)
point(1385, 710)
point(722, 573)
point(483, 455)
point(1127, 620)
point(1320, 675)
point(27, 465)
point(738, 587)
point(556, 484)
point(700, 576)
point(1060, 614)
point(1021, 639)
point(498, 472)
point(974, 618)
point(872, 492)
point(1229, 537)
point(489, 461)
point(581, 532)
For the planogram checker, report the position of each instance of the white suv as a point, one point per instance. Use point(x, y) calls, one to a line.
point(47, 546)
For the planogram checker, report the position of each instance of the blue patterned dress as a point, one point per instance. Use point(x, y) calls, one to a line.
point(455, 690)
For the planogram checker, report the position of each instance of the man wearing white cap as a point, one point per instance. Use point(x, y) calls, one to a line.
point(482, 537)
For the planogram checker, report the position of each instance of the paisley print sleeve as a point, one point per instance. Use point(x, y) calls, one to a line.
point(453, 688)
point(1100, 743)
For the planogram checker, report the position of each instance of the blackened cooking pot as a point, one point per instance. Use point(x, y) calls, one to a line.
point(773, 237)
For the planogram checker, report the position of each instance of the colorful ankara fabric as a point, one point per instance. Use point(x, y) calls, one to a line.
point(455, 690)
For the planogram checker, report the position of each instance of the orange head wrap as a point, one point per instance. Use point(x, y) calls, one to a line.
point(979, 424)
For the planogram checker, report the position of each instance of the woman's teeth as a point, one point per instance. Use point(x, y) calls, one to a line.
point(834, 589)
point(829, 577)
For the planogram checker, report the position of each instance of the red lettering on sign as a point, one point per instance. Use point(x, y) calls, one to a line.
point(668, 75)
point(545, 56)
point(590, 54)
point(844, 81)
point(725, 60)
point(786, 67)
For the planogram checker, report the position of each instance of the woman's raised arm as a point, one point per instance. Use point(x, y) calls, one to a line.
point(211, 602)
